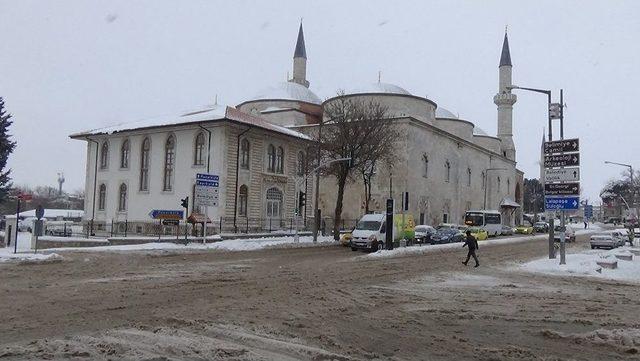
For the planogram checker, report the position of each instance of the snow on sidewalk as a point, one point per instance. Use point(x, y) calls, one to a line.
point(583, 264)
point(228, 245)
point(24, 251)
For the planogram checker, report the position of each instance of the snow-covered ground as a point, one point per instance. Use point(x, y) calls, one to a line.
point(228, 245)
point(584, 264)
point(24, 251)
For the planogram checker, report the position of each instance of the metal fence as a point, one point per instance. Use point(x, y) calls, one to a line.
point(223, 225)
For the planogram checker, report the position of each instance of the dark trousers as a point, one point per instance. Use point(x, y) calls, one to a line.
point(472, 253)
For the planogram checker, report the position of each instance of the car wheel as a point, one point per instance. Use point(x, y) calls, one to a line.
point(593, 247)
point(353, 249)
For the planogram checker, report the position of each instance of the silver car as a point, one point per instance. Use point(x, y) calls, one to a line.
point(569, 233)
point(604, 240)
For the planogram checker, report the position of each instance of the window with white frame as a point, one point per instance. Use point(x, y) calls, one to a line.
point(104, 156)
point(124, 154)
point(102, 197)
point(122, 198)
point(242, 200)
point(280, 160)
point(198, 151)
point(169, 163)
point(144, 164)
point(244, 151)
point(271, 158)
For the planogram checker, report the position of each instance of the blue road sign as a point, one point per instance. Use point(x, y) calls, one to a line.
point(588, 211)
point(207, 177)
point(206, 183)
point(166, 214)
point(561, 203)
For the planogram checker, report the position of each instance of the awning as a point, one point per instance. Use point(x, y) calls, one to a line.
point(509, 203)
point(197, 218)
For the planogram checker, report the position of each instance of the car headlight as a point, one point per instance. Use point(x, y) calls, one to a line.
point(372, 237)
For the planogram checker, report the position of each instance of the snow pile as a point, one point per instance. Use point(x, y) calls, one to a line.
point(6, 254)
point(228, 245)
point(415, 250)
point(584, 264)
point(628, 339)
point(579, 228)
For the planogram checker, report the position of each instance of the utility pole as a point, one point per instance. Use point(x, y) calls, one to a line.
point(316, 196)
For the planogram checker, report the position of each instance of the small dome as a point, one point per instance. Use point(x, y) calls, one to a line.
point(288, 91)
point(444, 113)
point(479, 131)
point(379, 88)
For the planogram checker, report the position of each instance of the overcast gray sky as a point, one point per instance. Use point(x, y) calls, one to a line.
point(67, 66)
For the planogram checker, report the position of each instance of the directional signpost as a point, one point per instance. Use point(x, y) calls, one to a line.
point(561, 184)
point(562, 175)
point(207, 194)
point(166, 214)
point(588, 211)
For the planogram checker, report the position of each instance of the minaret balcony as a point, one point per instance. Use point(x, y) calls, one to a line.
point(505, 98)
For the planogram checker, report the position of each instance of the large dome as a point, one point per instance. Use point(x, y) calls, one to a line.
point(287, 91)
point(379, 88)
point(444, 113)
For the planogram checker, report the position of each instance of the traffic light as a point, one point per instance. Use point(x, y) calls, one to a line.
point(185, 202)
point(302, 200)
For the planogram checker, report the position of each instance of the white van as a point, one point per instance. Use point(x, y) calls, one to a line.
point(370, 233)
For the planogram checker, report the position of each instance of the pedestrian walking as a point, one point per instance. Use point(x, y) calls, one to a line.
point(585, 224)
point(472, 243)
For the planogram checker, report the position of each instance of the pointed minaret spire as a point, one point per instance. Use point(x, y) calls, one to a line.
point(505, 57)
point(301, 51)
point(300, 60)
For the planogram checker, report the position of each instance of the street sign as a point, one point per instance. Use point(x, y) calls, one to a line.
point(207, 189)
point(561, 175)
point(561, 203)
point(562, 189)
point(25, 196)
point(562, 160)
point(166, 214)
point(39, 212)
point(170, 222)
point(562, 146)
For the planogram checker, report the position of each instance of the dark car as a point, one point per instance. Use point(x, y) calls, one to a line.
point(541, 227)
point(447, 235)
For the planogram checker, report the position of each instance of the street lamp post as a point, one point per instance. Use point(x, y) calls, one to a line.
point(552, 251)
point(633, 191)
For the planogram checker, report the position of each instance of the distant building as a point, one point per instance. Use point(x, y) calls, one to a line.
point(258, 148)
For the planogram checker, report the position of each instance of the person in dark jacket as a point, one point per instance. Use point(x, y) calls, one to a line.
point(472, 243)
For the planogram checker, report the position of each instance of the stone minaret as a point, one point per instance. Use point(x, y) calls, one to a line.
point(505, 100)
point(300, 61)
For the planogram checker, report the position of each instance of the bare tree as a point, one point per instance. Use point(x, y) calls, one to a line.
point(361, 130)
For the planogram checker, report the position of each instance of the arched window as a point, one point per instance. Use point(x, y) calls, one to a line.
point(169, 163)
point(104, 156)
point(425, 158)
point(484, 180)
point(301, 166)
point(271, 158)
point(102, 197)
point(242, 198)
point(244, 151)
point(468, 177)
point(198, 152)
point(498, 190)
point(122, 198)
point(144, 164)
point(274, 203)
point(280, 160)
point(124, 154)
point(447, 176)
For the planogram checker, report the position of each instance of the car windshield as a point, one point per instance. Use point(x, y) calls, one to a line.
point(447, 231)
point(421, 229)
point(368, 225)
point(475, 230)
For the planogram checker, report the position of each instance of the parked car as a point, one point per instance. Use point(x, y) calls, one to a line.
point(447, 235)
point(604, 240)
point(541, 227)
point(623, 235)
point(506, 230)
point(478, 233)
point(423, 233)
point(446, 225)
point(613, 220)
point(570, 234)
point(523, 229)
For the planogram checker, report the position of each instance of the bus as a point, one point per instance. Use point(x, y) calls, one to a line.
point(490, 221)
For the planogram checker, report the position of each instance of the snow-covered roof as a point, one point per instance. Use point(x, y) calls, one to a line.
point(211, 113)
point(478, 131)
point(287, 91)
point(379, 88)
point(274, 109)
point(55, 213)
point(444, 113)
point(509, 203)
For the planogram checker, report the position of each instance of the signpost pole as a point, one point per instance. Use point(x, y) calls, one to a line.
point(563, 229)
point(206, 219)
point(15, 241)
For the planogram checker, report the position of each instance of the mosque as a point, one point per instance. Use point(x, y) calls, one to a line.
point(258, 149)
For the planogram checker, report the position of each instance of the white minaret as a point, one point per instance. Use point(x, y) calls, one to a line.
point(300, 61)
point(505, 100)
